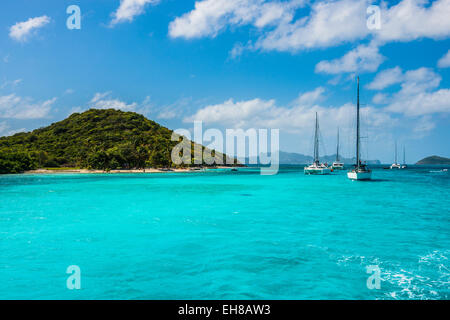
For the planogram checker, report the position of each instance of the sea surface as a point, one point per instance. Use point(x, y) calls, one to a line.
point(226, 235)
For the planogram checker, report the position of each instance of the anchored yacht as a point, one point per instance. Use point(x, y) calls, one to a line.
point(337, 165)
point(360, 170)
point(396, 165)
point(317, 167)
point(404, 165)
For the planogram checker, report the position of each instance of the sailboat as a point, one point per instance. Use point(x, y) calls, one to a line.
point(404, 166)
point(337, 165)
point(317, 167)
point(360, 170)
point(396, 165)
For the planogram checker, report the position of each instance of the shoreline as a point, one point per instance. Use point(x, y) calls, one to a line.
point(149, 170)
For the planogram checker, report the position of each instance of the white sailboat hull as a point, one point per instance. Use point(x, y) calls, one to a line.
point(317, 170)
point(362, 175)
point(337, 166)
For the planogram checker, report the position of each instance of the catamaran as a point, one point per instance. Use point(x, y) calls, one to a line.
point(360, 170)
point(396, 165)
point(317, 167)
point(337, 165)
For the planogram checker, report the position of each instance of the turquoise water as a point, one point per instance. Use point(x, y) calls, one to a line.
point(225, 235)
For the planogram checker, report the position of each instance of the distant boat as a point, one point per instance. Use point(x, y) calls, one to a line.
point(360, 170)
point(439, 171)
point(396, 165)
point(337, 165)
point(317, 167)
point(234, 169)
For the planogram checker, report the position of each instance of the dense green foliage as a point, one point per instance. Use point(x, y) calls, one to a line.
point(95, 139)
point(434, 160)
point(16, 161)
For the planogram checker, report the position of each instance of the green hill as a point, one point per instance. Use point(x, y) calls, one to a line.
point(435, 160)
point(95, 139)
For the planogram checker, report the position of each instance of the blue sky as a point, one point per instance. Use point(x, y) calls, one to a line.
point(236, 64)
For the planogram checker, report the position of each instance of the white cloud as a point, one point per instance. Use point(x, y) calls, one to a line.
point(99, 96)
point(209, 17)
point(414, 19)
point(311, 97)
point(296, 123)
point(237, 50)
point(420, 80)
point(259, 113)
point(76, 110)
point(146, 107)
point(102, 100)
point(380, 98)
point(332, 23)
point(424, 125)
point(167, 114)
point(328, 23)
point(364, 58)
point(21, 31)
point(12, 83)
point(335, 80)
point(418, 95)
point(234, 113)
point(444, 62)
point(14, 131)
point(129, 9)
point(16, 82)
point(15, 107)
point(174, 110)
point(386, 78)
point(422, 103)
point(5, 129)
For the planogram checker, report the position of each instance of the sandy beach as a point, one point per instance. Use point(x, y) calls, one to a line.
point(149, 170)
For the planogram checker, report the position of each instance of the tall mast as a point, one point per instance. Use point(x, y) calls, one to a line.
point(395, 152)
point(316, 142)
point(404, 162)
point(337, 148)
point(357, 127)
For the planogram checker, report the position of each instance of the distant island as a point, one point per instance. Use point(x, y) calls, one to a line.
point(434, 160)
point(298, 158)
point(96, 139)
